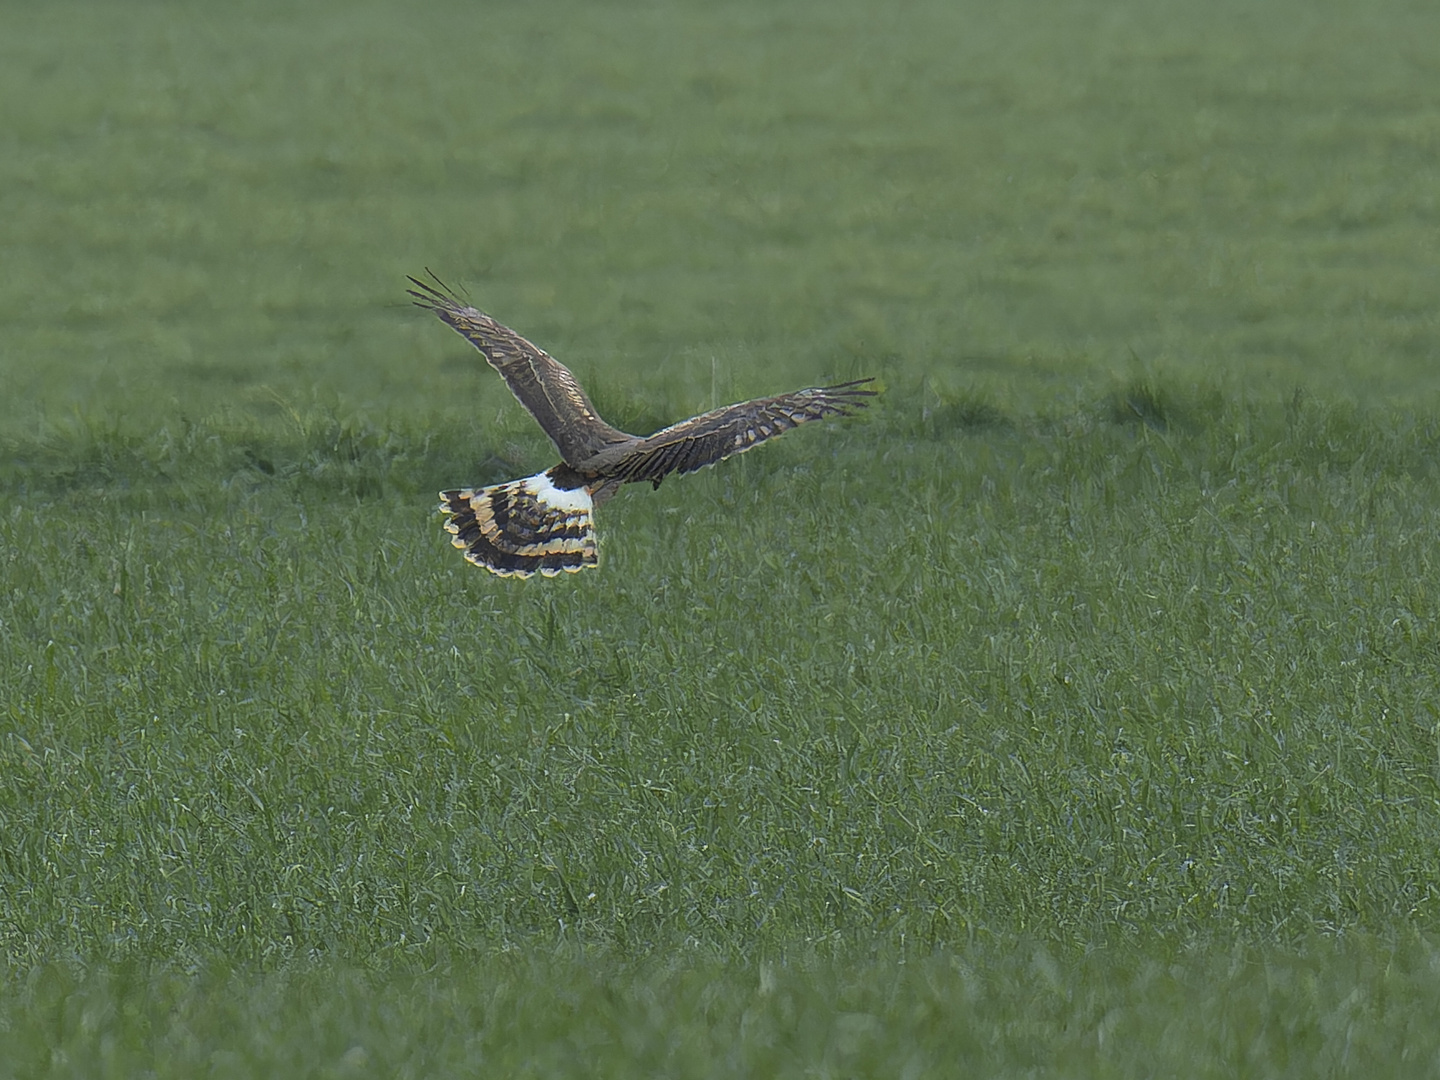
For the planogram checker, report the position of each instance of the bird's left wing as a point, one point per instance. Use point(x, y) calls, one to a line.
point(713, 436)
point(540, 382)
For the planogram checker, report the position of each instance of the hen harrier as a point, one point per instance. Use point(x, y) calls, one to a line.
point(543, 523)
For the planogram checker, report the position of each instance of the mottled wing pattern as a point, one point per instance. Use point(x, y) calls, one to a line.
point(540, 382)
point(524, 527)
point(713, 436)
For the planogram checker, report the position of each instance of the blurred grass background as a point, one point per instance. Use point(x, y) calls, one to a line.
point(201, 205)
point(1077, 701)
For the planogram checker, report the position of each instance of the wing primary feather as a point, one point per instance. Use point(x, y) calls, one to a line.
point(429, 295)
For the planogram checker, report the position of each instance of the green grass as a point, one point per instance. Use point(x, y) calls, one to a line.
point(1338, 1011)
point(1071, 713)
point(1085, 681)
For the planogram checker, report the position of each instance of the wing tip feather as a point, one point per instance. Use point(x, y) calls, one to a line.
point(438, 297)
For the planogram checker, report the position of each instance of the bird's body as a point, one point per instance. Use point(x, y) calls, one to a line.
point(544, 523)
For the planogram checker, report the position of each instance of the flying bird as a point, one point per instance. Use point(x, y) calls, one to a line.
point(545, 523)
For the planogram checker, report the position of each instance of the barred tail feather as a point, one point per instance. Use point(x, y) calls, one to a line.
point(523, 527)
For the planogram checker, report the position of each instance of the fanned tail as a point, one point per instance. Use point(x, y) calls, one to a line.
point(524, 527)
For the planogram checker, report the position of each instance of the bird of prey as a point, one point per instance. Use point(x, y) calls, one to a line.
point(543, 524)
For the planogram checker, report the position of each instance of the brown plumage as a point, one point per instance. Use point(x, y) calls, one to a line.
point(543, 523)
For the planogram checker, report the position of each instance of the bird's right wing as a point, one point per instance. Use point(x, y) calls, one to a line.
point(540, 382)
point(703, 440)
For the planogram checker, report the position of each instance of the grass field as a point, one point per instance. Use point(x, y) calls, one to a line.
point(1072, 713)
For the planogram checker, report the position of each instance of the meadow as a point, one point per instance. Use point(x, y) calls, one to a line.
point(1073, 712)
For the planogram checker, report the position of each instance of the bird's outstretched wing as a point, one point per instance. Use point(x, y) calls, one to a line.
point(713, 436)
point(541, 383)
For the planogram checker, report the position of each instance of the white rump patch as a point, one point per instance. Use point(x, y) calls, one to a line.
point(575, 501)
